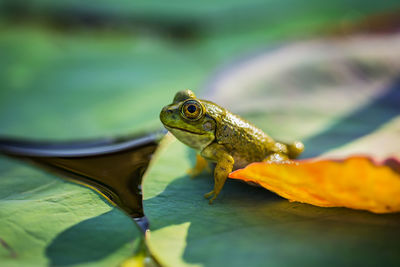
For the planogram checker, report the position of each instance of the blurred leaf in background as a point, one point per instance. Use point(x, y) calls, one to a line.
point(87, 70)
point(77, 70)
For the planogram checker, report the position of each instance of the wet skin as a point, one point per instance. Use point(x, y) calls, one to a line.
point(221, 137)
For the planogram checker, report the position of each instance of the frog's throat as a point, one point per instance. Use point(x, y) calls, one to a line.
point(184, 130)
point(192, 139)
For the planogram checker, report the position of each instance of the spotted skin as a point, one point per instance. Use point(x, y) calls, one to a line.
point(222, 137)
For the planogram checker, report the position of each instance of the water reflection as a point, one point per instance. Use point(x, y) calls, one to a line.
point(113, 167)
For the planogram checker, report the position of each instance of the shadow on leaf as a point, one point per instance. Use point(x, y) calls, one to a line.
point(90, 240)
point(250, 226)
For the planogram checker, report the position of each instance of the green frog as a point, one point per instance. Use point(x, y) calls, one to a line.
point(222, 137)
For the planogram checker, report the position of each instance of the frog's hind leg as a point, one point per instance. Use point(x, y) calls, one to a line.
point(295, 149)
point(224, 166)
point(284, 151)
point(201, 165)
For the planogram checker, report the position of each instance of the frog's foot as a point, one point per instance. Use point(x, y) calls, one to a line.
point(210, 201)
point(201, 165)
point(213, 196)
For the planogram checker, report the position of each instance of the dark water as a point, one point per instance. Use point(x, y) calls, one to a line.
point(113, 167)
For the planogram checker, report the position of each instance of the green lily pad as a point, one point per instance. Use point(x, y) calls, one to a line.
point(83, 83)
point(250, 226)
point(47, 221)
point(62, 86)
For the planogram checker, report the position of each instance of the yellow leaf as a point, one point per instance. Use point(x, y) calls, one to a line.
point(356, 182)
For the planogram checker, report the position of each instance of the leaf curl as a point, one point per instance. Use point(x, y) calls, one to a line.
point(356, 182)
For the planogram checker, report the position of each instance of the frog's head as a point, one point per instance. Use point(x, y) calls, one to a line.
point(187, 119)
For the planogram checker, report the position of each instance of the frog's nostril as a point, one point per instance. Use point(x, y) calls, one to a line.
point(165, 110)
point(169, 111)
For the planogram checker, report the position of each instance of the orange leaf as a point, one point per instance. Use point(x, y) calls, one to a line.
point(356, 182)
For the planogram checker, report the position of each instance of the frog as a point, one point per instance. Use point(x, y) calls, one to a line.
point(221, 137)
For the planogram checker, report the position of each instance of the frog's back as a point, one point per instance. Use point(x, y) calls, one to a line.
point(243, 140)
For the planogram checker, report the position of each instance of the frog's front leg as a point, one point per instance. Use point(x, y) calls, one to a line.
point(224, 160)
point(201, 165)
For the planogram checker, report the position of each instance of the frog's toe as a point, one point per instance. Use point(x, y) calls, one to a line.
point(209, 194)
point(213, 196)
point(212, 199)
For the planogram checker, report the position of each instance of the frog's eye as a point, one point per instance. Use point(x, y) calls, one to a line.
point(192, 110)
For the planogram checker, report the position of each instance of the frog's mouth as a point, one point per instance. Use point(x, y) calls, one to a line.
point(183, 130)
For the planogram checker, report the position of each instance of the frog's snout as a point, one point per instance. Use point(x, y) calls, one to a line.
point(165, 113)
point(167, 110)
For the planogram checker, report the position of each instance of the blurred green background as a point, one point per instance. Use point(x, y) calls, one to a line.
point(81, 69)
point(87, 69)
